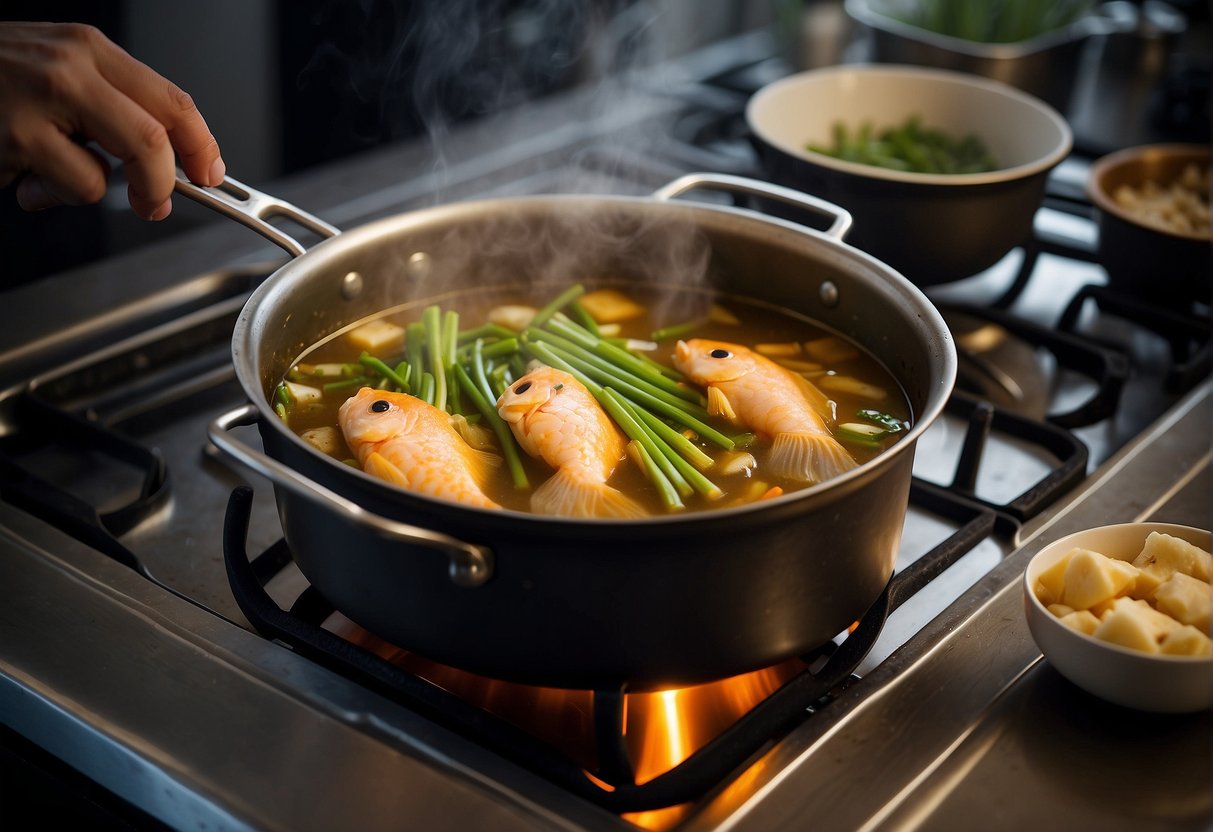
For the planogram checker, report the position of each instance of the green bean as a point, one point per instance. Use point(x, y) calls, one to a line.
point(686, 472)
point(605, 371)
point(652, 363)
point(617, 408)
point(685, 447)
point(552, 359)
point(557, 358)
point(499, 379)
point(578, 313)
point(450, 341)
point(450, 335)
point(368, 360)
point(570, 329)
point(282, 393)
point(665, 489)
point(624, 360)
point(505, 438)
point(518, 365)
point(415, 349)
point(562, 300)
point(679, 330)
point(485, 331)
point(505, 346)
point(347, 384)
point(432, 319)
point(478, 372)
point(649, 373)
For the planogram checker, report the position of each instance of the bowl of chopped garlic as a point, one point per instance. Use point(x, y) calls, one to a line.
point(1152, 211)
point(1122, 611)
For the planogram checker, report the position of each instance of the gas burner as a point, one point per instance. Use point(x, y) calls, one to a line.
point(1002, 358)
point(1184, 328)
point(625, 751)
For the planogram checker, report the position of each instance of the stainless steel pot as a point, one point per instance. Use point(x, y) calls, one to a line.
point(1046, 66)
point(586, 603)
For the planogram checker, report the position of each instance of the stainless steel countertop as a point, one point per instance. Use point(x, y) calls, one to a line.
point(184, 714)
point(969, 727)
point(204, 724)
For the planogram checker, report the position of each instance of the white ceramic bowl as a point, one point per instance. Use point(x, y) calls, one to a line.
point(934, 228)
point(1023, 134)
point(1147, 682)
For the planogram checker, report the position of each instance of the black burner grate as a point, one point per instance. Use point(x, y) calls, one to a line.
point(827, 673)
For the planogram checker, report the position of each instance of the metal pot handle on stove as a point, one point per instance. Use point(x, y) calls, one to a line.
point(470, 565)
point(840, 218)
point(250, 207)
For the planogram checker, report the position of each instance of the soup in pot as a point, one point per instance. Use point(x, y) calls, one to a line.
point(614, 402)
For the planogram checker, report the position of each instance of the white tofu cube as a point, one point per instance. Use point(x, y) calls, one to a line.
point(304, 393)
point(325, 439)
point(377, 336)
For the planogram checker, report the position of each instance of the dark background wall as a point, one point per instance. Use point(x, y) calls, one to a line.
point(286, 85)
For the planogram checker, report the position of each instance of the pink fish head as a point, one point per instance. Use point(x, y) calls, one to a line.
point(371, 415)
point(712, 362)
point(531, 392)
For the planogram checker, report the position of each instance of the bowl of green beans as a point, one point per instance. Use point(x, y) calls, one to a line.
point(942, 171)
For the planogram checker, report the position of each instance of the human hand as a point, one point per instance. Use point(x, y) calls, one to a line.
point(65, 83)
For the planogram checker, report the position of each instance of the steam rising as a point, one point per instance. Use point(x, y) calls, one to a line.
point(420, 67)
point(425, 68)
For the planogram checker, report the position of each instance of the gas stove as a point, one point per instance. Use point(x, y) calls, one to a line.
point(160, 641)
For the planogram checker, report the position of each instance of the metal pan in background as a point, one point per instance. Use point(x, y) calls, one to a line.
point(1166, 267)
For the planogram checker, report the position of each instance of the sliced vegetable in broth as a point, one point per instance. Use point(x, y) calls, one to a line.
point(618, 355)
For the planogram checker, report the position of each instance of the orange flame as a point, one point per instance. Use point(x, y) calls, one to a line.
point(661, 728)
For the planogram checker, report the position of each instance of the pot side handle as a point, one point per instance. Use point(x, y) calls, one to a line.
point(840, 218)
point(470, 565)
point(250, 207)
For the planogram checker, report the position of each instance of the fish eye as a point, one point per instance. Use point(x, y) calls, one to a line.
point(522, 388)
point(720, 353)
point(380, 406)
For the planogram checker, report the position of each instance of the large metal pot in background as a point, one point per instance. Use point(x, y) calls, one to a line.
point(1046, 66)
point(589, 603)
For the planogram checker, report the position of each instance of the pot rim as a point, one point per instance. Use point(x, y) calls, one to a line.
point(1100, 20)
point(1047, 162)
point(246, 354)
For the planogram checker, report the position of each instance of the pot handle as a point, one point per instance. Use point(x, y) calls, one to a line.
point(249, 206)
point(840, 218)
point(471, 565)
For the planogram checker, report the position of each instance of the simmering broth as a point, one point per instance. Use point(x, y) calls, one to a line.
point(866, 410)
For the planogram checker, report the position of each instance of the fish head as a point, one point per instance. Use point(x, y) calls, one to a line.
point(371, 416)
point(530, 393)
point(712, 362)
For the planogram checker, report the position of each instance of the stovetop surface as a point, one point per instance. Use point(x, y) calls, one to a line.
point(954, 713)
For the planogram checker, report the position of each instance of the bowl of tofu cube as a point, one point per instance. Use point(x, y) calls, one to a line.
point(1122, 611)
